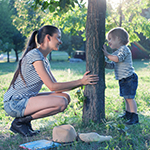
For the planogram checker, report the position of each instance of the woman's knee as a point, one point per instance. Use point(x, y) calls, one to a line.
point(66, 96)
point(63, 104)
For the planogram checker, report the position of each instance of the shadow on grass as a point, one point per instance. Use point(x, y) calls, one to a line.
point(140, 64)
point(6, 68)
point(138, 137)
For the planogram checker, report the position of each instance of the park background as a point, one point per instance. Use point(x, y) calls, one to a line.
point(19, 19)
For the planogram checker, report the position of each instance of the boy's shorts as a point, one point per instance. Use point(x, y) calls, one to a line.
point(128, 86)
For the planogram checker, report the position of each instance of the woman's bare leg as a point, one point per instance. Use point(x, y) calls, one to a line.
point(46, 104)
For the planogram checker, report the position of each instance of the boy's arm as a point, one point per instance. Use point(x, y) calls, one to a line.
point(109, 65)
point(112, 57)
point(109, 56)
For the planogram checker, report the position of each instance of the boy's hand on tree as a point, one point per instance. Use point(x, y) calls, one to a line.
point(105, 50)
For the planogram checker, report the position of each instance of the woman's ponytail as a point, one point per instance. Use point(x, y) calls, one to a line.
point(31, 45)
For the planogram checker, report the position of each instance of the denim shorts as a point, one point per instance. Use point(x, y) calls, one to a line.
point(15, 107)
point(128, 86)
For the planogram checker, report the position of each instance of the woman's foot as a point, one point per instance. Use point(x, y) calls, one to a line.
point(31, 129)
point(19, 125)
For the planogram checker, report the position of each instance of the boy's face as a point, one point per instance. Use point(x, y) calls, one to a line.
point(114, 42)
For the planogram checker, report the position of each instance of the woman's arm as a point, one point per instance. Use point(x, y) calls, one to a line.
point(62, 86)
point(54, 80)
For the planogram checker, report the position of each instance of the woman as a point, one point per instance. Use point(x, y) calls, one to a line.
point(23, 100)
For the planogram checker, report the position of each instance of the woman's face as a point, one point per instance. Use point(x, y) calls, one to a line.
point(55, 40)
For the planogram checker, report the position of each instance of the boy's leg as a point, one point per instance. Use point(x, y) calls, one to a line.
point(127, 106)
point(127, 113)
point(131, 105)
point(133, 109)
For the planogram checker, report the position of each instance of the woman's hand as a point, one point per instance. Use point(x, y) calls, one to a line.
point(89, 79)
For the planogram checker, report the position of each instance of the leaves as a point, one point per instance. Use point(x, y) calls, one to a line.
point(26, 20)
point(80, 95)
point(62, 6)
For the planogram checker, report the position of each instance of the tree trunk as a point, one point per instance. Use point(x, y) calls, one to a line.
point(8, 56)
point(120, 13)
point(94, 105)
point(16, 53)
point(50, 56)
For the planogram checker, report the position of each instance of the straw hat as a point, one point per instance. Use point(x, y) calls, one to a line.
point(93, 137)
point(64, 134)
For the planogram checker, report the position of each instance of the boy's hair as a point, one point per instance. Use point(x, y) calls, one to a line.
point(120, 33)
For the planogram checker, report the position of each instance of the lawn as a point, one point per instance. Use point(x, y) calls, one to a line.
point(136, 137)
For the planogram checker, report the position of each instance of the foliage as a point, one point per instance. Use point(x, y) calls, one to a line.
point(6, 27)
point(72, 25)
point(67, 45)
point(124, 137)
point(71, 43)
point(128, 14)
point(80, 96)
point(27, 20)
point(9, 35)
point(5, 47)
point(61, 6)
point(18, 41)
point(74, 21)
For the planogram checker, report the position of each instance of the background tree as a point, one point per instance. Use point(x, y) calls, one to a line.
point(7, 29)
point(18, 41)
point(7, 48)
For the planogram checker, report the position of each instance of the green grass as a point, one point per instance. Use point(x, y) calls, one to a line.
point(137, 137)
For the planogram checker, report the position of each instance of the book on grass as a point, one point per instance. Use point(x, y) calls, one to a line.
point(39, 145)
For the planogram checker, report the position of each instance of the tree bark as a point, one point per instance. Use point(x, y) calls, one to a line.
point(120, 13)
point(94, 105)
point(16, 53)
point(8, 56)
